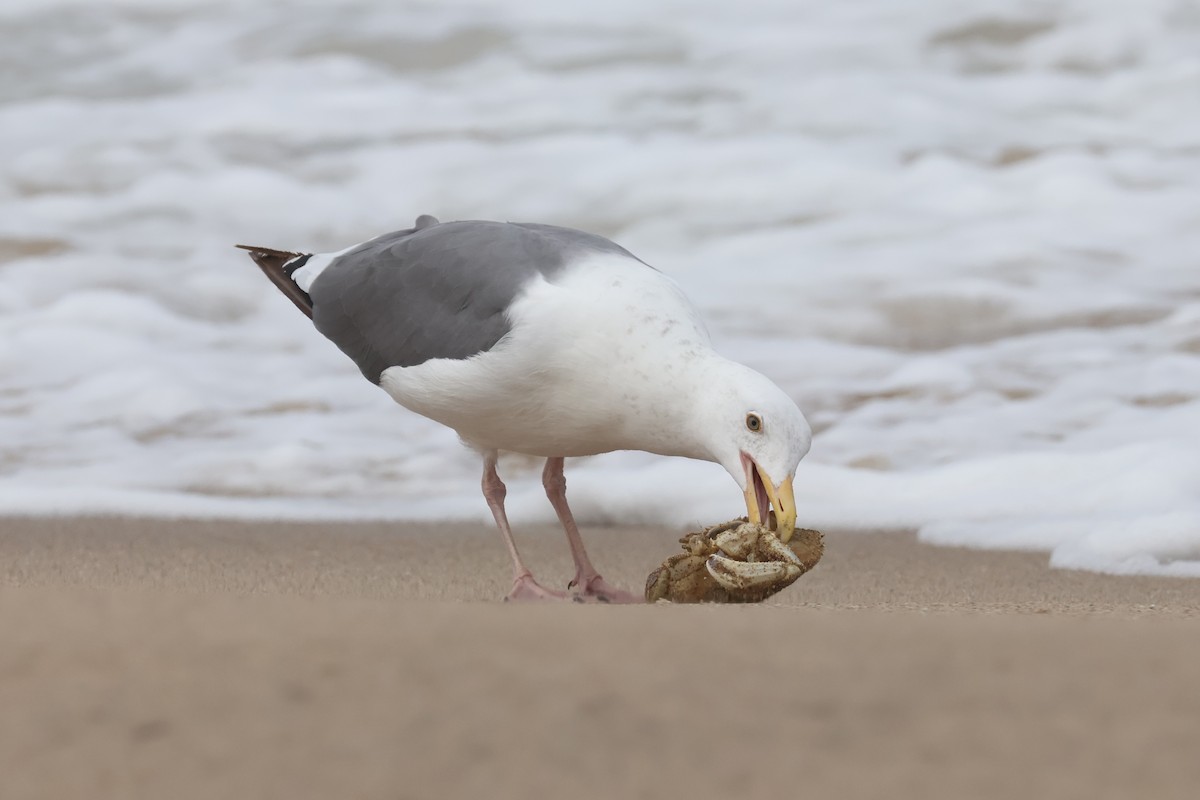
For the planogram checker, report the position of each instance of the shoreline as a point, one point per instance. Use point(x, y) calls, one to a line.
point(466, 562)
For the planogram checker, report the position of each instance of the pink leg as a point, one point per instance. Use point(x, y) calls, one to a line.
point(524, 586)
point(587, 581)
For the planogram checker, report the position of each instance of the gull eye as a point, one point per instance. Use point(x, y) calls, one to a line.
point(754, 422)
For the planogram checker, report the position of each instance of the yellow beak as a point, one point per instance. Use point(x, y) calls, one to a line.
point(783, 501)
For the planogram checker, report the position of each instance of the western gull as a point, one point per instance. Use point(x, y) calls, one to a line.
point(551, 342)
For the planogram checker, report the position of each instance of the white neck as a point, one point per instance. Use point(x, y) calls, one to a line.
point(679, 411)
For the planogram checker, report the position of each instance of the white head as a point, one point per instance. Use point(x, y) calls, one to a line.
point(752, 428)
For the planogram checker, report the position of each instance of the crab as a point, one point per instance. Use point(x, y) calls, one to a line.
point(734, 562)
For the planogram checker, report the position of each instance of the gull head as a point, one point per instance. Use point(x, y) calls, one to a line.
point(757, 433)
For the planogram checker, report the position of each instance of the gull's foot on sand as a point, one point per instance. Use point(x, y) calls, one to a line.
point(525, 588)
point(598, 590)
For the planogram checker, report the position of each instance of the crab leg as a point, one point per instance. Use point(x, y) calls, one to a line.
point(742, 575)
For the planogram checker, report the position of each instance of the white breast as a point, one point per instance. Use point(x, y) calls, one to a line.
point(591, 365)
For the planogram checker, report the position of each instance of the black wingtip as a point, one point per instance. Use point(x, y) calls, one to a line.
point(278, 265)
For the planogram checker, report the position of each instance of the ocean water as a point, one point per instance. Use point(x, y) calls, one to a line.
point(964, 236)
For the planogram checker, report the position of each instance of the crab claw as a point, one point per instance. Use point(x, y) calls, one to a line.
point(780, 551)
point(743, 576)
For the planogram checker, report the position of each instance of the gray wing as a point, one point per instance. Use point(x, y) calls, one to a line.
point(437, 290)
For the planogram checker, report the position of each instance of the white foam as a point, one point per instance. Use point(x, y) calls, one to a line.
point(961, 235)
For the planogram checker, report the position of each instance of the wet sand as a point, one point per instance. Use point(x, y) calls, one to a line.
point(143, 658)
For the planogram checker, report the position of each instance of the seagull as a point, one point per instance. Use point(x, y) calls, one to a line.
point(554, 343)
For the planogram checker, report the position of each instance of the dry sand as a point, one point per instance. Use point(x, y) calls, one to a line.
point(149, 659)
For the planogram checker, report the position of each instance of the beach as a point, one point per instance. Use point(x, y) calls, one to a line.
point(152, 658)
point(961, 237)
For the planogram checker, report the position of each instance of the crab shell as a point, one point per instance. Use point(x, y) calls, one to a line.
point(734, 562)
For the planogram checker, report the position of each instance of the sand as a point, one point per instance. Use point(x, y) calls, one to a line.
point(156, 659)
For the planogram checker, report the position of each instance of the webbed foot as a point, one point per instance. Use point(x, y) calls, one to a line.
point(525, 588)
point(596, 589)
